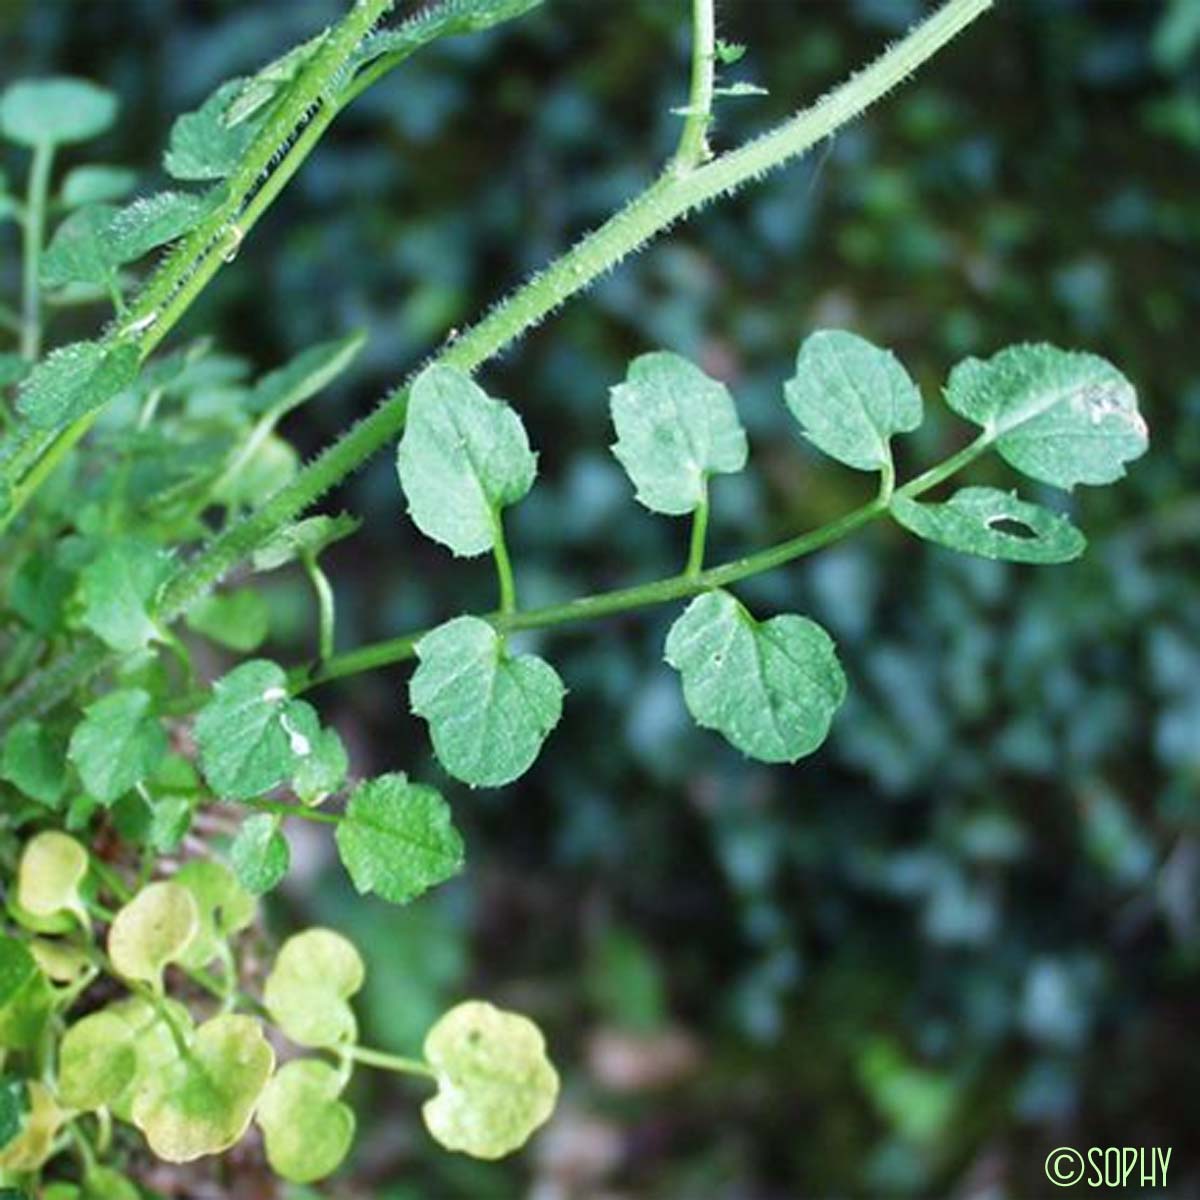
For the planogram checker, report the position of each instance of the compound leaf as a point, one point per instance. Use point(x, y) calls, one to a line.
point(851, 397)
point(675, 427)
point(1059, 416)
point(307, 991)
point(488, 711)
point(118, 743)
point(495, 1083)
point(396, 839)
point(770, 688)
point(993, 524)
point(202, 1103)
point(308, 1131)
point(463, 458)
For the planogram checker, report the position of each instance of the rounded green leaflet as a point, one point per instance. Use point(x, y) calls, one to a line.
point(52, 867)
point(33, 760)
point(675, 427)
point(118, 588)
point(97, 1061)
point(152, 930)
point(308, 1131)
point(25, 996)
point(850, 397)
point(993, 524)
point(202, 1102)
point(118, 744)
point(260, 854)
point(488, 712)
point(495, 1083)
point(306, 993)
point(1059, 416)
point(78, 252)
point(55, 111)
point(396, 839)
point(251, 735)
point(463, 458)
point(223, 908)
point(154, 1043)
point(770, 688)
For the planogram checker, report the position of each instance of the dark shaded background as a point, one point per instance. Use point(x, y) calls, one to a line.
point(964, 932)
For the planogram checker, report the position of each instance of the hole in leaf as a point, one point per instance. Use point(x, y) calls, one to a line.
point(1011, 527)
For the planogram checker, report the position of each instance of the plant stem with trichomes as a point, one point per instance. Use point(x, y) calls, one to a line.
point(667, 200)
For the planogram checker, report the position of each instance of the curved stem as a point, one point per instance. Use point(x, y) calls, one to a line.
point(663, 203)
point(693, 142)
point(325, 607)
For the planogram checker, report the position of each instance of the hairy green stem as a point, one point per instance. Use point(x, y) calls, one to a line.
point(693, 142)
point(35, 233)
point(190, 267)
point(663, 203)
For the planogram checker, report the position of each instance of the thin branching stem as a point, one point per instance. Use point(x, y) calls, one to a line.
point(663, 203)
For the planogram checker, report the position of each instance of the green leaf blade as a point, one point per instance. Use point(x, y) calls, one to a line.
point(851, 397)
point(770, 688)
point(675, 427)
point(993, 524)
point(55, 111)
point(1061, 417)
point(488, 711)
point(117, 744)
point(464, 457)
point(397, 840)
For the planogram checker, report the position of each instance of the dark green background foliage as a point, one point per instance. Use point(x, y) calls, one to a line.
point(968, 929)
